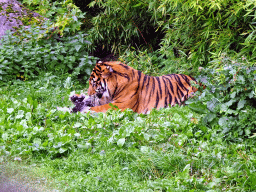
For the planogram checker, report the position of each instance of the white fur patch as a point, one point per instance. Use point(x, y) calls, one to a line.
point(85, 110)
point(64, 109)
point(72, 93)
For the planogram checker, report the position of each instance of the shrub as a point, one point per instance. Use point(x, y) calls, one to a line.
point(196, 31)
point(64, 14)
point(148, 63)
point(202, 29)
point(122, 24)
point(229, 98)
point(153, 63)
point(26, 55)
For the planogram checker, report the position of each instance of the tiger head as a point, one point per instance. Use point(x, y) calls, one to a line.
point(101, 83)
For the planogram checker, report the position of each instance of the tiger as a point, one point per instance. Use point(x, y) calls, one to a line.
point(117, 83)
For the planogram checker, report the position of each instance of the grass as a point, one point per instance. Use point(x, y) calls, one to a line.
point(167, 150)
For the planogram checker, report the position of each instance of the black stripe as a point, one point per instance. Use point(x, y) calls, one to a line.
point(177, 88)
point(177, 77)
point(165, 102)
point(170, 98)
point(176, 101)
point(170, 75)
point(122, 75)
point(137, 103)
point(139, 73)
point(105, 84)
point(133, 74)
point(185, 78)
point(114, 93)
point(120, 90)
point(125, 66)
point(170, 83)
point(157, 99)
point(153, 86)
point(171, 86)
point(167, 93)
point(159, 85)
point(147, 86)
point(152, 90)
point(144, 80)
point(188, 78)
point(118, 96)
point(180, 92)
point(139, 77)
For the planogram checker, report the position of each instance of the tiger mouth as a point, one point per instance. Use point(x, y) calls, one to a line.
point(99, 94)
point(101, 97)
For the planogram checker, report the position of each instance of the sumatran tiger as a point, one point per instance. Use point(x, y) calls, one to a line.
point(117, 83)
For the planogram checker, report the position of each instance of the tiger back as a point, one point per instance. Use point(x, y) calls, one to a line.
point(119, 84)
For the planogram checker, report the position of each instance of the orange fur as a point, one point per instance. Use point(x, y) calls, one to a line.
point(116, 83)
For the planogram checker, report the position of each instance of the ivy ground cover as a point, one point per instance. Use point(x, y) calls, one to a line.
point(167, 150)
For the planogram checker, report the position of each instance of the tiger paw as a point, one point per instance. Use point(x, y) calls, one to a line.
point(82, 103)
point(77, 98)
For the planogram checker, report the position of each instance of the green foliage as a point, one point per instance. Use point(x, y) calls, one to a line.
point(201, 29)
point(126, 23)
point(64, 14)
point(148, 63)
point(230, 97)
point(208, 145)
point(195, 31)
point(153, 63)
point(27, 56)
point(40, 126)
point(167, 150)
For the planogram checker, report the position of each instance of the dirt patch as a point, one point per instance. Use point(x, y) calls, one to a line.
point(11, 185)
point(23, 178)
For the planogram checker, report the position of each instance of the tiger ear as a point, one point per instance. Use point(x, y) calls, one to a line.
point(110, 69)
point(107, 72)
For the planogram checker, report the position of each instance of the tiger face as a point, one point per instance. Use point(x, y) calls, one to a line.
point(98, 86)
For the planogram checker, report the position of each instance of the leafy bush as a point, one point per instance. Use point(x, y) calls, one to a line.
point(230, 97)
point(117, 151)
point(202, 29)
point(148, 63)
point(124, 23)
point(196, 31)
point(64, 14)
point(153, 63)
point(27, 56)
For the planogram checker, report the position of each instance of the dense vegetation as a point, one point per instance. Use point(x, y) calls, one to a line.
point(170, 149)
point(207, 145)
